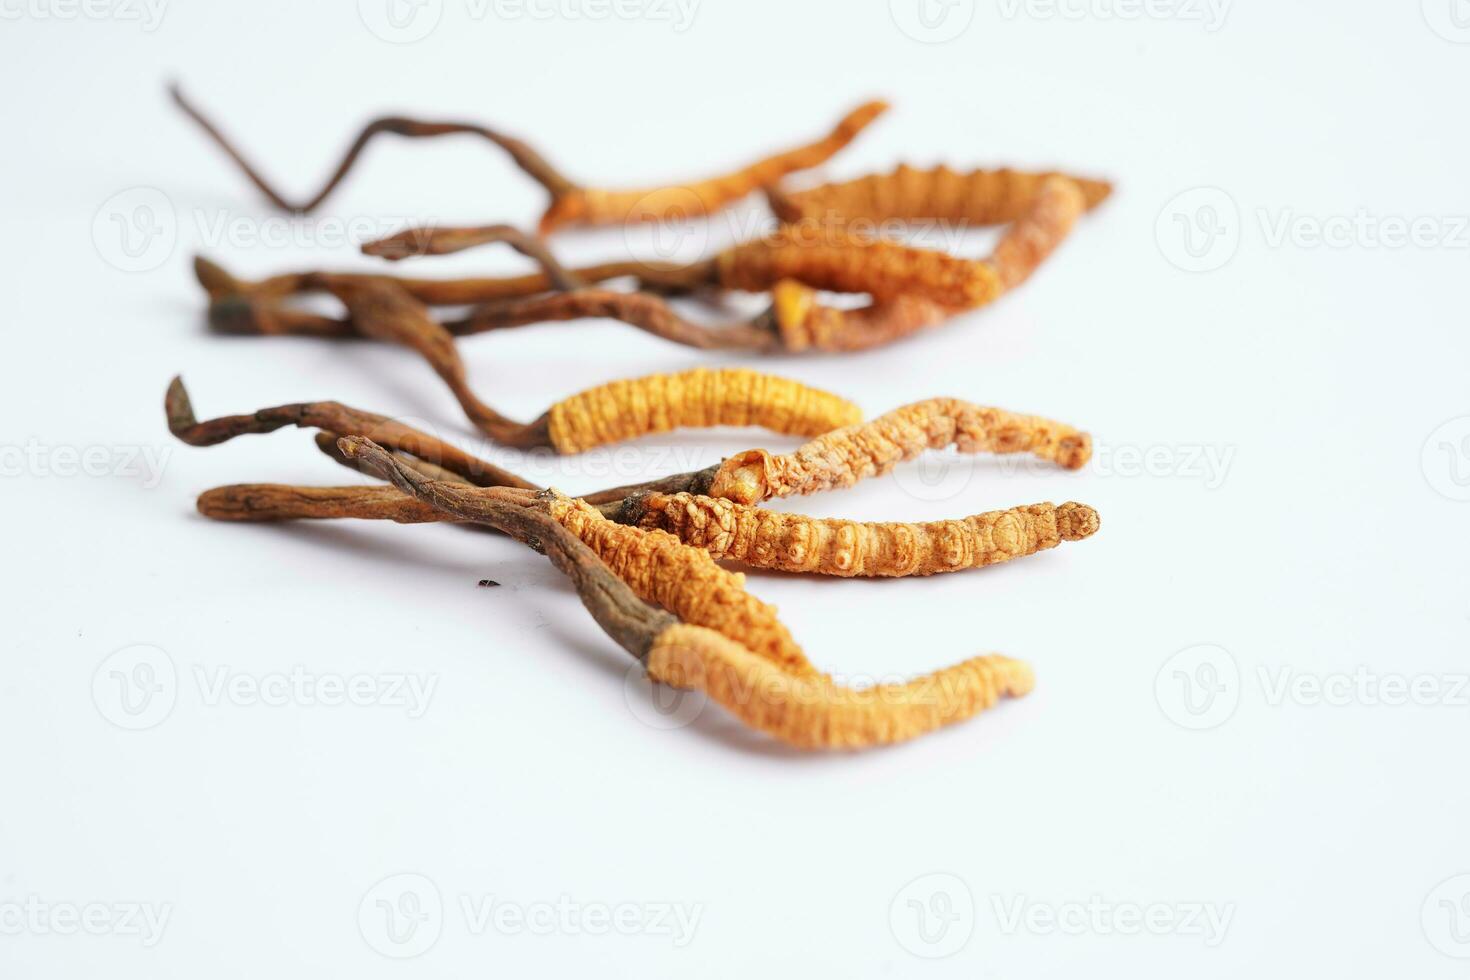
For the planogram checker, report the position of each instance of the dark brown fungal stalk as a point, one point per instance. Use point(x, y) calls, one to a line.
point(381, 310)
point(430, 456)
point(658, 277)
point(332, 417)
point(570, 204)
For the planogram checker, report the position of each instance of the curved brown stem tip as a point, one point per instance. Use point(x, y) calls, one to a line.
point(212, 276)
point(178, 408)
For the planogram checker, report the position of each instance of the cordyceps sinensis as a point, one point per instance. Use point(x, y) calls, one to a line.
point(795, 704)
point(726, 531)
point(572, 204)
point(844, 456)
point(979, 197)
point(382, 310)
point(684, 505)
point(911, 288)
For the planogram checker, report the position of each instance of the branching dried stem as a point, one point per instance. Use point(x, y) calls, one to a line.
point(381, 310)
point(912, 288)
point(570, 204)
point(752, 536)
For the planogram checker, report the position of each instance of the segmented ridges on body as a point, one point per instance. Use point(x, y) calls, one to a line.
point(830, 546)
point(694, 399)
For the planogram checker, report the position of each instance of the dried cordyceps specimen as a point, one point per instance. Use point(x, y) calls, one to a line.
point(727, 531)
point(572, 204)
point(694, 399)
point(381, 310)
point(838, 459)
point(913, 288)
point(815, 712)
point(797, 543)
point(331, 417)
point(844, 456)
point(680, 578)
point(980, 197)
point(800, 707)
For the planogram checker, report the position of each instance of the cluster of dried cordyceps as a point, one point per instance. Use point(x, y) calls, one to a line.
point(643, 558)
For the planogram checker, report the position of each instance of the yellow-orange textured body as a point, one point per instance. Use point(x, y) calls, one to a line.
point(694, 399)
point(813, 712)
point(685, 581)
point(842, 457)
point(830, 546)
point(595, 206)
point(980, 197)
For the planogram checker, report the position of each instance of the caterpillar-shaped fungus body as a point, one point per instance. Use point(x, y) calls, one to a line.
point(685, 581)
point(694, 399)
point(814, 712)
point(980, 197)
point(830, 546)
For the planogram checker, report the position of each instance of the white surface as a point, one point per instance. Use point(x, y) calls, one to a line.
point(1326, 539)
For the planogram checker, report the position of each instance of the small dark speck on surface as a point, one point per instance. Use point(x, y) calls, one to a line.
point(486, 583)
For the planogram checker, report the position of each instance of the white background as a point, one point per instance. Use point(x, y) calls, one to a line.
point(1325, 542)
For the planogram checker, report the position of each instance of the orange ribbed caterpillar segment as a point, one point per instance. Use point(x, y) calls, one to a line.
point(1046, 222)
point(847, 262)
point(797, 543)
point(843, 457)
point(980, 197)
point(685, 581)
point(813, 712)
point(805, 323)
point(694, 399)
point(594, 206)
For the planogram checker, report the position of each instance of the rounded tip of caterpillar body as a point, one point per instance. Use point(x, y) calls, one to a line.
point(866, 113)
point(1076, 521)
point(1074, 450)
point(1018, 679)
